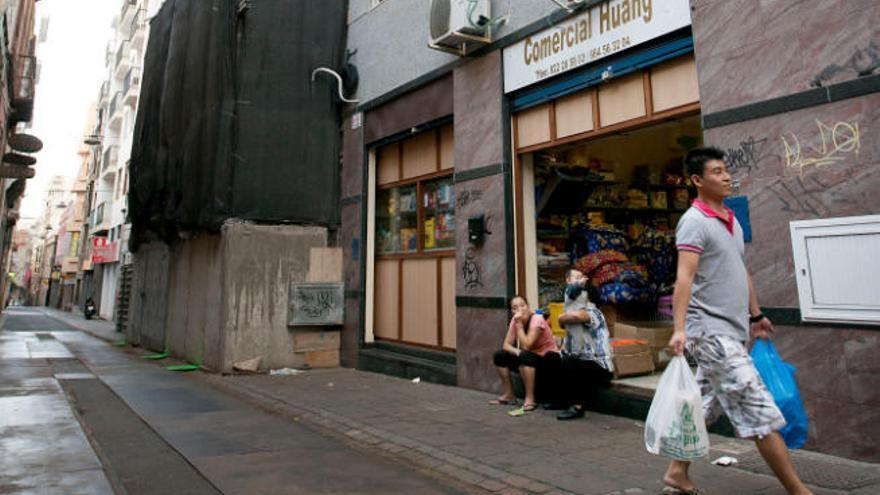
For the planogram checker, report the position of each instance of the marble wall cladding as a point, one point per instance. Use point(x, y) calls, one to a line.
point(838, 374)
point(820, 162)
point(481, 271)
point(351, 243)
point(780, 47)
point(480, 333)
point(352, 181)
point(352, 259)
point(350, 338)
point(478, 120)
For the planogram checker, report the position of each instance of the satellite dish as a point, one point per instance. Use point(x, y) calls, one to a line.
point(19, 159)
point(25, 143)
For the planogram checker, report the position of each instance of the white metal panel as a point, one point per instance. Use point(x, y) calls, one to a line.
point(837, 263)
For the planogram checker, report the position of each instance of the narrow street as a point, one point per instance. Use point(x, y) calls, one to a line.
point(79, 416)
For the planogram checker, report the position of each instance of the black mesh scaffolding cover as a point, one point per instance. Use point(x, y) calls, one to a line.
point(229, 123)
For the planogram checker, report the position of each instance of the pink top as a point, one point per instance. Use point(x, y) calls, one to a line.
point(544, 343)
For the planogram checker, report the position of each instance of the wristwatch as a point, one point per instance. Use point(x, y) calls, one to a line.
point(758, 317)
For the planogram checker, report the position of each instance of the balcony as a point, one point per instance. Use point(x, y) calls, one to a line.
point(99, 218)
point(131, 86)
point(128, 8)
point(108, 161)
point(23, 69)
point(114, 112)
point(121, 63)
point(105, 91)
point(137, 28)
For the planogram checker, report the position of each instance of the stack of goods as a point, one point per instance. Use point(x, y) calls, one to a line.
point(588, 239)
point(636, 198)
point(656, 250)
point(610, 271)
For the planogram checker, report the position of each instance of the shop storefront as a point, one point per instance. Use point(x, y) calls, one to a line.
point(598, 165)
point(414, 228)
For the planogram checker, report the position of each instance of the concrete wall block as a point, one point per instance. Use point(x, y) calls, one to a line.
point(149, 301)
point(259, 264)
point(178, 299)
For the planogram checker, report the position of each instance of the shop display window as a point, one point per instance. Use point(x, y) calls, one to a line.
point(400, 217)
point(438, 201)
point(397, 220)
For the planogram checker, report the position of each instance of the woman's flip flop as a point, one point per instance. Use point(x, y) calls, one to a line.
point(502, 402)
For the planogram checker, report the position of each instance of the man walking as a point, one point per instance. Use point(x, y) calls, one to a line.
point(586, 349)
point(715, 308)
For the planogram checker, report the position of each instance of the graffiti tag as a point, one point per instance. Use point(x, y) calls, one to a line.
point(469, 196)
point(747, 155)
point(837, 141)
point(471, 271)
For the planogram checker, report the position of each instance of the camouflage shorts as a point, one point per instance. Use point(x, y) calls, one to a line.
point(730, 383)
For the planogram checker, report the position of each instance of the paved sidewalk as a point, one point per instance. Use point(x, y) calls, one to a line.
point(455, 432)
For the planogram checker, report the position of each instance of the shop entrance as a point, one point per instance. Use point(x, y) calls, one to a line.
point(609, 207)
point(600, 187)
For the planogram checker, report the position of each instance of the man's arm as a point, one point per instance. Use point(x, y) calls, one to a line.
point(688, 261)
point(763, 328)
point(581, 316)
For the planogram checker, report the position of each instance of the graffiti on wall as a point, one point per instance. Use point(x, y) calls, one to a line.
point(748, 155)
point(469, 196)
point(838, 142)
point(471, 270)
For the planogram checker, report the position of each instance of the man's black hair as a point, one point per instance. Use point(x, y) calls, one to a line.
point(695, 161)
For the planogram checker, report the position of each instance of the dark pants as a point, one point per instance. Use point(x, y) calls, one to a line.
point(581, 379)
point(546, 371)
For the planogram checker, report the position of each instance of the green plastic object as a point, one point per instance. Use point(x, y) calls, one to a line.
point(182, 367)
point(156, 357)
point(120, 343)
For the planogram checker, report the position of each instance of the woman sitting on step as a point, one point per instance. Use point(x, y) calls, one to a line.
point(527, 348)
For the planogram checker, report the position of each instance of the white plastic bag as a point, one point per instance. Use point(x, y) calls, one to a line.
point(675, 426)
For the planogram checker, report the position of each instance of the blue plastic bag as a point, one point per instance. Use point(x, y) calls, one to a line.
point(779, 378)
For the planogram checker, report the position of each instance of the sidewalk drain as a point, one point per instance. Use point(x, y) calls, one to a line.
point(818, 472)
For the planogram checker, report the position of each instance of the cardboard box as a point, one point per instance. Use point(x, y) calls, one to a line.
point(629, 346)
point(657, 333)
point(624, 331)
point(610, 314)
point(631, 357)
point(316, 359)
point(315, 340)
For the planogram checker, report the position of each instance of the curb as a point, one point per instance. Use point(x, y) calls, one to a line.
point(467, 471)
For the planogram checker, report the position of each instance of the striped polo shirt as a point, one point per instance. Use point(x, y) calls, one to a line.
point(719, 302)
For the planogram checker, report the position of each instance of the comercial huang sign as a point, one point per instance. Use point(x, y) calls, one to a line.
point(603, 30)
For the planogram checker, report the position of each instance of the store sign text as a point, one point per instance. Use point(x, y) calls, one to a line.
point(605, 29)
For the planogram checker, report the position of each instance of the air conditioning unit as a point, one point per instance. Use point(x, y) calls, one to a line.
point(459, 26)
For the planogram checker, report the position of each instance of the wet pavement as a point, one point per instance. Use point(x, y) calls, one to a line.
point(155, 431)
point(42, 447)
